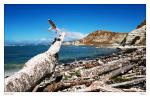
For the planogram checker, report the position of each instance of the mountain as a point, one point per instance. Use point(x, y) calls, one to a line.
point(108, 38)
point(103, 37)
point(100, 37)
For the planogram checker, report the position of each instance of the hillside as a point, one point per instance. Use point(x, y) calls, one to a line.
point(103, 37)
point(100, 37)
point(107, 38)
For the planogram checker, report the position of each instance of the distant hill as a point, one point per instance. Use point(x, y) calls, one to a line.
point(108, 38)
point(100, 37)
point(103, 37)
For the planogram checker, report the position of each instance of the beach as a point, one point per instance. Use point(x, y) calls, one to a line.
point(17, 56)
point(101, 73)
point(107, 71)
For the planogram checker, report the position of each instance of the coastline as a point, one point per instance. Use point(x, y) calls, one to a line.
point(11, 67)
point(10, 72)
point(99, 74)
point(88, 70)
point(81, 75)
point(72, 62)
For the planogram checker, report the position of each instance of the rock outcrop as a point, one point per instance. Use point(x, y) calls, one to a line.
point(100, 37)
point(141, 25)
point(137, 36)
point(103, 38)
point(124, 71)
point(77, 42)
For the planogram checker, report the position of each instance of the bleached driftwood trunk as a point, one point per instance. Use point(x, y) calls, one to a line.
point(35, 69)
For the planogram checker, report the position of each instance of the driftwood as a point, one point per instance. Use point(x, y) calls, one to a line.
point(129, 83)
point(133, 90)
point(47, 81)
point(35, 69)
point(65, 84)
point(44, 83)
point(99, 86)
point(101, 75)
point(131, 76)
point(105, 68)
point(117, 72)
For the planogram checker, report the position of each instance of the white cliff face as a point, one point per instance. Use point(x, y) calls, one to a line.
point(103, 37)
point(72, 43)
point(137, 36)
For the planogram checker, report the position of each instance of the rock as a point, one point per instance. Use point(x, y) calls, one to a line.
point(77, 71)
point(137, 36)
point(100, 37)
point(100, 62)
point(72, 43)
point(141, 25)
point(74, 77)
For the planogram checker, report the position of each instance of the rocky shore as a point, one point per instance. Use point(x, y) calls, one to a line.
point(124, 71)
point(103, 38)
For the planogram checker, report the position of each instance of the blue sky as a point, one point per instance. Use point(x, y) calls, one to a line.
point(29, 22)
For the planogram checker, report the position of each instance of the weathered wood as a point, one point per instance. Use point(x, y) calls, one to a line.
point(105, 68)
point(47, 81)
point(35, 88)
point(35, 69)
point(134, 90)
point(133, 76)
point(117, 72)
point(99, 86)
point(65, 84)
point(129, 83)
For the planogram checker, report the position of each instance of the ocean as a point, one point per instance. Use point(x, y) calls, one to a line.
point(16, 56)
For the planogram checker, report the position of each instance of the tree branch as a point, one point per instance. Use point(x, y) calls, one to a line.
point(35, 69)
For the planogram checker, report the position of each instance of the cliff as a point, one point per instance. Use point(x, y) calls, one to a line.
point(77, 42)
point(100, 37)
point(103, 38)
point(141, 25)
point(137, 36)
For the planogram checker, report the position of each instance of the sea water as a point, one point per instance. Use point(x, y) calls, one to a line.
point(16, 56)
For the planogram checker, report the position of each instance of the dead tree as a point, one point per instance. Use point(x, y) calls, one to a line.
point(117, 72)
point(63, 85)
point(105, 68)
point(101, 84)
point(129, 83)
point(35, 69)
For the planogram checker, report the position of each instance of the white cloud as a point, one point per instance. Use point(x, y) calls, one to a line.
point(68, 37)
point(43, 39)
point(74, 35)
